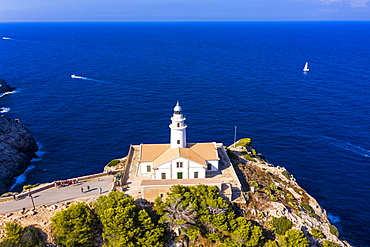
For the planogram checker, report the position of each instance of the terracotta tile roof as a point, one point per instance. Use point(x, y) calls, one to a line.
point(186, 182)
point(149, 152)
point(206, 150)
point(160, 153)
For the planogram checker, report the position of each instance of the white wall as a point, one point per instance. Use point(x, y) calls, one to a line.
point(214, 165)
point(188, 169)
point(142, 168)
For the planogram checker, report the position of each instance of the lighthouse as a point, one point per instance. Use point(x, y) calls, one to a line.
point(178, 128)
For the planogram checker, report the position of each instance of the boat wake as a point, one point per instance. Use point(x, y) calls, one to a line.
point(6, 37)
point(4, 109)
point(91, 79)
point(344, 145)
point(349, 146)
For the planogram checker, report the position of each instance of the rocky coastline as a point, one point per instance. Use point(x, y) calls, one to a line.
point(5, 88)
point(17, 148)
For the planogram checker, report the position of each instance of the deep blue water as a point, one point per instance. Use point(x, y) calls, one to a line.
point(246, 74)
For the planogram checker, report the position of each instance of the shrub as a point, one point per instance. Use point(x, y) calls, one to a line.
point(307, 208)
point(290, 197)
point(247, 233)
point(253, 183)
point(328, 243)
point(273, 198)
point(281, 225)
point(125, 224)
point(213, 237)
point(30, 186)
point(271, 243)
point(334, 230)
point(244, 142)
point(293, 205)
point(316, 233)
point(254, 153)
point(193, 232)
point(286, 174)
point(273, 187)
point(113, 163)
point(248, 157)
point(73, 226)
point(293, 238)
point(18, 236)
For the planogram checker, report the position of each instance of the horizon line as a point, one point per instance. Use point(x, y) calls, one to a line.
point(123, 21)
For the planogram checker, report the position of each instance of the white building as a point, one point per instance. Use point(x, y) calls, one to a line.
point(179, 159)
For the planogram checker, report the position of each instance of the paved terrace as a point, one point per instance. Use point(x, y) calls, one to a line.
point(55, 195)
point(133, 181)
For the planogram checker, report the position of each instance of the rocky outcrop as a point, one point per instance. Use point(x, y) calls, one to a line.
point(273, 192)
point(17, 148)
point(4, 87)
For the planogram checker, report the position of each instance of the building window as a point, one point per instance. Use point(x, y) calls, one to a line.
point(161, 195)
point(196, 174)
point(209, 166)
point(178, 141)
point(148, 169)
point(179, 175)
point(178, 124)
point(163, 175)
point(179, 164)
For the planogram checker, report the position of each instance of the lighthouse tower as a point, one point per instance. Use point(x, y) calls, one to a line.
point(178, 128)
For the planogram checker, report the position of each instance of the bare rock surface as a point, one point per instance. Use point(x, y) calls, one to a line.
point(17, 148)
point(4, 87)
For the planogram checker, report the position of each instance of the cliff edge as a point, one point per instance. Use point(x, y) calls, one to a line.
point(273, 192)
point(4, 87)
point(17, 148)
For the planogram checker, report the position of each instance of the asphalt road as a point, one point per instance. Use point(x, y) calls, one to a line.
point(56, 195)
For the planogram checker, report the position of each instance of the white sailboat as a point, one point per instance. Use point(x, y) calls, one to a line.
point(306, 69)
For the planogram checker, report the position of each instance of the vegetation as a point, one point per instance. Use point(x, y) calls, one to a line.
point(281, 225)
point(18, 236)
point(201, 211)
point(248, 157)
point(316, 233)
point(125, 224)
point(74, 225)
point(30, 186)
point(328, 243)
point(334, 230)
point(244, 142)
point(293, 238)
point(290, 197)
point(253, 183)
point(189, 216)
point(230, 154)
point(287, 174)
point(113, 163)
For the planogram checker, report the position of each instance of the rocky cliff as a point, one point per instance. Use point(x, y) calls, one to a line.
point(17, 148)
point(272, 191)
point(4, 87)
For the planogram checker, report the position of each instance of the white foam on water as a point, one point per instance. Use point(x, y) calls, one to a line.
point(333, 219)
point(21, 178)
point(349, 146)
point(40, 153)
point(4, 109)
point(3, 94)
point(91, 79)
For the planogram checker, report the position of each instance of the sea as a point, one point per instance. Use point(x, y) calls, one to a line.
point(227, 76)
